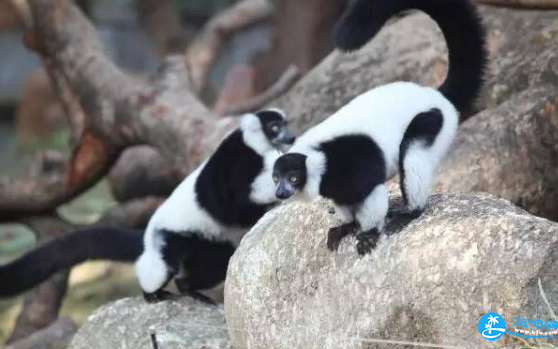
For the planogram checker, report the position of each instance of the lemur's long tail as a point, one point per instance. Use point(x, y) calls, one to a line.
point(460, 24)
point(91, 244)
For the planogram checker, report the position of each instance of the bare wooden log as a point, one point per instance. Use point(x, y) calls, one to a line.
point(72, 108)
point(36, 196)
point(142, 171)
point(118, 111)
point(285, 82)
point(302, 35)
point(161, 21)
point(131, 214)
point(204, 49)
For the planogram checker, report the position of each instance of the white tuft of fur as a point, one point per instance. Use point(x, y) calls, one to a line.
point(263, 187)
point(151, 270)
point(253, 134)
point(315, 168)
point(181, 213)
point(345, 213)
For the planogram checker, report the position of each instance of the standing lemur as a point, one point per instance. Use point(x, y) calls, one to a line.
point(193, 233)
point(399, 126)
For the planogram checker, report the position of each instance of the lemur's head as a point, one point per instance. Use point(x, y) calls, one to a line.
point(266, 128)
point(290, 175)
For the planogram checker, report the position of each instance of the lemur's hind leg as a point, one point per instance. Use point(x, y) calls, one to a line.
point(186, 289)
point(205, 267)
point(158, 265)
point(418, 159)
point(371, 215)
point(154, 274)
point(336, 234)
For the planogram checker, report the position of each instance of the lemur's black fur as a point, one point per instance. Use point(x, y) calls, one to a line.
point(460, 24)
point(103, 243)
point(363, 174)
point(232, 163)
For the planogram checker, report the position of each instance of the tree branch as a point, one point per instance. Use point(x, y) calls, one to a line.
point(131, 214)
point(204, 49)
point(285, 82)
point(35, 196)
point(118, 111)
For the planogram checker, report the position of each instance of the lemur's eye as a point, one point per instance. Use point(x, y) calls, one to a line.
point(275, 179)
point(293, 179)
point(275, 128)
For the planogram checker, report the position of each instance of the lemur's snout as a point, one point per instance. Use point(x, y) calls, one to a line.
point(286, 136)
point(284, 190)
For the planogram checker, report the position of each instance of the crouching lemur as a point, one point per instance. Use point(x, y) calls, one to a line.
point(192, 235)
point(399, 126)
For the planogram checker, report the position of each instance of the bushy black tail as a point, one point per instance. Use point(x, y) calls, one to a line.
point(460, 24)
point(91, 244)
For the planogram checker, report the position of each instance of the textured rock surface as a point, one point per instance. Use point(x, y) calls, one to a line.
point(184, 324)
point(510, 151)
point(430, 283)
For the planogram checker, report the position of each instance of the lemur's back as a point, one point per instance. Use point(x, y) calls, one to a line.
point(383, 114)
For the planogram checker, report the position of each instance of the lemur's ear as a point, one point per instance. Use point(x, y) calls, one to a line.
point(272, 114)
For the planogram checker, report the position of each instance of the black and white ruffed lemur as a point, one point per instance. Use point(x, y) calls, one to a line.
point(399, 126)
point(193, 234)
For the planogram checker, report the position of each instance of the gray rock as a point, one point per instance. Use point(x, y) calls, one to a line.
point(183, 324)
point(510, 151)
point(430, 283)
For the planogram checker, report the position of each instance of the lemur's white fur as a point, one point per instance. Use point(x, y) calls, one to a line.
point(346, 214)
point(263, 187)
point(372, 213)
point(253, 135)
point(182, 213)
point(384, 113)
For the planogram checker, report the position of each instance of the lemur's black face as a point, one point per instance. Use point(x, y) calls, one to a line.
point(289, 174)
point(275, 127)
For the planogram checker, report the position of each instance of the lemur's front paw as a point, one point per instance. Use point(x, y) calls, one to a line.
point(398, 222)
point(159, 296)
point(367, 241)
point(336, 234)
point(396, 208)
